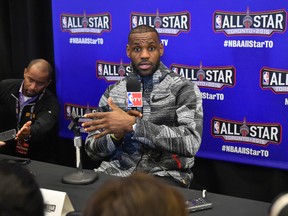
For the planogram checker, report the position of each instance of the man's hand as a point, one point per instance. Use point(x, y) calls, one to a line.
point(115, 122)
point(24, 132)
point(2, 143)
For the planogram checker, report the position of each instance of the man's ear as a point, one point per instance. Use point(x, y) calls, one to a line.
point(25, 71)
point(127, 50)
point(161, 49)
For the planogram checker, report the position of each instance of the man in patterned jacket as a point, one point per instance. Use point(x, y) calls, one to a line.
point(163, 139)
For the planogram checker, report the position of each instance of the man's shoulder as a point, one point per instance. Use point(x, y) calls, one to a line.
point(119, 84)
point(169, 74)
point(48, 101)
point(166, 72)
point(49, 96)
point(176, 81)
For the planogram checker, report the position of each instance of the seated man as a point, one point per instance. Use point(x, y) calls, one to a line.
point(28, 106)
point(163, 138)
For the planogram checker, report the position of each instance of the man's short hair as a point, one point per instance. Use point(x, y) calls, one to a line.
point(45, 66)
point(20, 193)
point(144, 29)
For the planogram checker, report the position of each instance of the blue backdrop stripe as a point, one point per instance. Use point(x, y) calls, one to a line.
point(235, 51)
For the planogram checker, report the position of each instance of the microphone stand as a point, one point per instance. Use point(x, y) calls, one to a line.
point(79, 177)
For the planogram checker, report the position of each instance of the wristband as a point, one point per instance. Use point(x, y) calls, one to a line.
point(115, 138)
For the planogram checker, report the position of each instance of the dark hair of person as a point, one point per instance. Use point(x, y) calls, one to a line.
point(143, 29)
point(20, 194)
point(139, 194)
point(43, 65)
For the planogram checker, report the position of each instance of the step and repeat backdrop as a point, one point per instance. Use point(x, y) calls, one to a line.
point(235, 51)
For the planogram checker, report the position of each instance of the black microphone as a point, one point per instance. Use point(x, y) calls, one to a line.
point(79, 177)
point(134, 94)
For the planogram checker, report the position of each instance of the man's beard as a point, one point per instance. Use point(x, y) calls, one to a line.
point(153, 69)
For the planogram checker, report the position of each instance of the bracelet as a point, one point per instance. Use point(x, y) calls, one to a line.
point(115, 138)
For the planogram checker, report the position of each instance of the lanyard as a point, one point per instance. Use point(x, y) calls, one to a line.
point(19, 107)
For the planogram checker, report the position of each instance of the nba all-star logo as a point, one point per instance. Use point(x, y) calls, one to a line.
point(254, 133)
point(207, 77)
point(79, 110)
point(169, 23)
point(111, 71)
point(250, 23)
point(86, 24)
point(274, 79)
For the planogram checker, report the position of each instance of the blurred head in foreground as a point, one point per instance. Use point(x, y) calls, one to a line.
point(279, 206)
point(20, 194)
point(139, 194)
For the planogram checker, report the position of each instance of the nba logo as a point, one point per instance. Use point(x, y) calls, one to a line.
point(100, 69)
point(68, 111)
point(134, 99)
point(216, 127)
point(134, 21)
point(64, 22)
point(218, 21)
point(175, 70)
point(265, 78)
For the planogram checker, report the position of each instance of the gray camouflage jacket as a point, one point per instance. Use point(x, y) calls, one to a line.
point(165, 139)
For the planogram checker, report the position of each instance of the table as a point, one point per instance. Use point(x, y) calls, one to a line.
point(49, 177)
